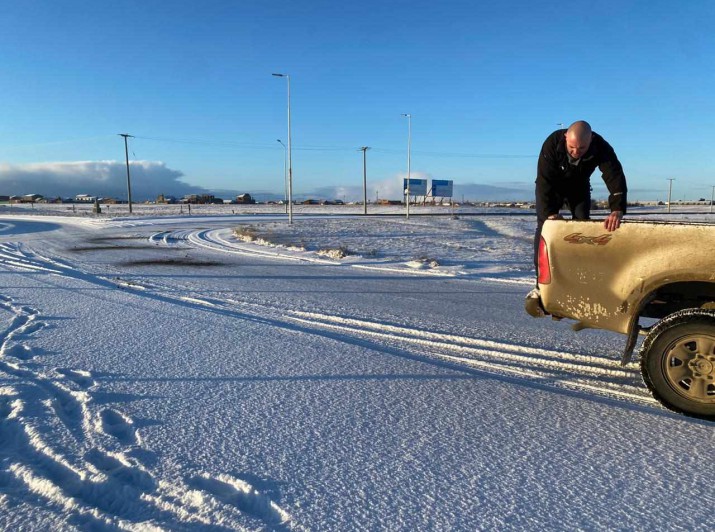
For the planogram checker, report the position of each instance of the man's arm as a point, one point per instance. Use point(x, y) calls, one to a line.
point(548, 200)
point(614, 178)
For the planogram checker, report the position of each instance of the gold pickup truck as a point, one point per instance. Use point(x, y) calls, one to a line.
point(651, 278)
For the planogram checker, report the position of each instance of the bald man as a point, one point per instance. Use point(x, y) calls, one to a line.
point(566, 162)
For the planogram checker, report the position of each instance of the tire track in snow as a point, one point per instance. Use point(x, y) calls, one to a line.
point(80, 459)
point(175, 502)
point(212, 239)
point(562, 369)
point(558, 368)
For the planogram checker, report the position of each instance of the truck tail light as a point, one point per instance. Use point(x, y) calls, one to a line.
point(544, 266)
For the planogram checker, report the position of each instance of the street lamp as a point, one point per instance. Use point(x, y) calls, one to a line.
point(712, 200)
point(560, 124)
point(290, 158)
point(409, 148)
point(285, 171)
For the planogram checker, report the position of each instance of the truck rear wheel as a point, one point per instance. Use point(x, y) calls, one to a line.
point(678, 362)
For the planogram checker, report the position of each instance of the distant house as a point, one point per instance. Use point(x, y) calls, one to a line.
point(30, 198)
point(4, 198)
point(389, 202)
point(245, 199)
point(84, 198)
point(110, 201)
point(164, 200)
point(200, 199)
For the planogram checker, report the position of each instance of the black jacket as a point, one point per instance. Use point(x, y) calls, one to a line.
point(556, 178)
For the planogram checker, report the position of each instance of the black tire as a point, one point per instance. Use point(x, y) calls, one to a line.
point(678, 362)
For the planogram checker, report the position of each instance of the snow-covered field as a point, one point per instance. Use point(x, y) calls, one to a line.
point(162, 371)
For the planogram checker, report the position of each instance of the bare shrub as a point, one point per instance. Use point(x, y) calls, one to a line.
point(335, 253)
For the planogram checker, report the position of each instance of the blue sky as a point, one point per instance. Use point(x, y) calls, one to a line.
point(485, 83)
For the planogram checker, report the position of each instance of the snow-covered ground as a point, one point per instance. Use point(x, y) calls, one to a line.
point(161, 371)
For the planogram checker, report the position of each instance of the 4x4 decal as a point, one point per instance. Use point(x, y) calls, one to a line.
point(579, 238)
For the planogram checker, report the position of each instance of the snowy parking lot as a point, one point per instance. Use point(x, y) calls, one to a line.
point(221, 372)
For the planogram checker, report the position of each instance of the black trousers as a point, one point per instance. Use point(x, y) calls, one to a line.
point(576, 198)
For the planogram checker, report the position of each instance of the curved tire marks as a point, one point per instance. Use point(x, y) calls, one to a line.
point(577, 372)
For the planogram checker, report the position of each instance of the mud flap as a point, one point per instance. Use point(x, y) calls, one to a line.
point(534, 308)
point(630, 344)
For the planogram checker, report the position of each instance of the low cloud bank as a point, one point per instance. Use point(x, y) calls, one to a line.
point(97, 178)
point(151, 178)
point(392, 189)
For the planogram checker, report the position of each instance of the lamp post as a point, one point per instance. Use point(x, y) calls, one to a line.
point(712, 200)
point(670, 189)
point(290, 158)
point(560, 124)
point(129, 182)
point(364, 178)
point(409, 148)
point(285, 171)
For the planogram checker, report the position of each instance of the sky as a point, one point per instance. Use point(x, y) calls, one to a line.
point(484, 85)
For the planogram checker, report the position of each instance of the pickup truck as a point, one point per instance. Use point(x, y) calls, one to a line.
point(651, 278)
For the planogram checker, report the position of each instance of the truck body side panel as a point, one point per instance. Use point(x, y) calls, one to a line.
point(601, 278)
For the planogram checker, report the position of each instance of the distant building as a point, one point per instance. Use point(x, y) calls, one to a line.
point(165, 200)
point(200, 199)
point(245, 199)
point(84, 198)
point(29, 198)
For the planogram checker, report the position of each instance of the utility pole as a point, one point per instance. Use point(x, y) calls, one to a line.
point(364, 178)
point(712, 200)
point(670, 189)
point(290, 155)
point(126, 155)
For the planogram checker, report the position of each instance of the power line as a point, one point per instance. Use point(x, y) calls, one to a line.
point(226, 144)
point(457, 155)
point(232, 144)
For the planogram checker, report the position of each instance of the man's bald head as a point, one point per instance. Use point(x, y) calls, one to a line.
point(578, 138)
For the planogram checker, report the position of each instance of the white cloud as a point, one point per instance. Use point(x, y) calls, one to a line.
point(101, 178)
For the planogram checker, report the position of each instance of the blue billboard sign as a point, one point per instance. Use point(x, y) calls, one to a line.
point(418, 187)
point(442, 188)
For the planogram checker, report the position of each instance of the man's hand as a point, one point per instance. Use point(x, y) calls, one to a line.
point(555, 217)
point(613, 221)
